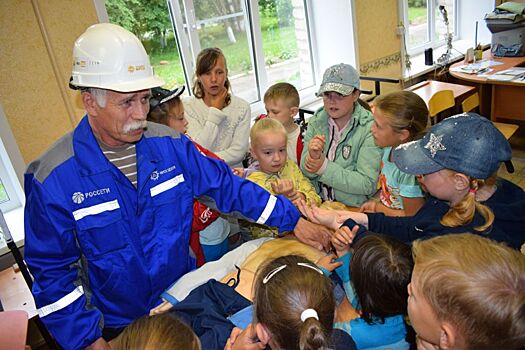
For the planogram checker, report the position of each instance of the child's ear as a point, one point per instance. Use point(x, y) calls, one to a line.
point(404, 135)
point(294, 111)
point(252, 153)
point(461, 181)
point(448, 338)
point(262, 333)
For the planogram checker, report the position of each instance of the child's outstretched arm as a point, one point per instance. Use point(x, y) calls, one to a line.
point(331, 218)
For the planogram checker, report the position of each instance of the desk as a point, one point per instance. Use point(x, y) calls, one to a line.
point(498, 99)
point(426, 89)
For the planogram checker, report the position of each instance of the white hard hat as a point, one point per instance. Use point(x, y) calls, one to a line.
point(107, 56)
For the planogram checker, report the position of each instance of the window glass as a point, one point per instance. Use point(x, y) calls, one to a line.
point(265, 44)
point(418, 33)
point(286, 43)
point(150, 21)
point(444, 13)
point(427, 23)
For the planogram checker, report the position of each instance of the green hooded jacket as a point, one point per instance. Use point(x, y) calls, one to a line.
point(354, 172)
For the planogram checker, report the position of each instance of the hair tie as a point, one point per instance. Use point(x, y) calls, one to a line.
point(306, 314)
point(472, 190)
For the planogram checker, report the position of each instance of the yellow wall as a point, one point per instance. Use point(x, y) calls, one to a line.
point(36, 41)
point(378, 44)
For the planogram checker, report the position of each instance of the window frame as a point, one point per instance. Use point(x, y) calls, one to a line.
point(434, 41)
point(8, 175)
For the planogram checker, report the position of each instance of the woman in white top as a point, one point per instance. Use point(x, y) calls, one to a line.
point(217, 120)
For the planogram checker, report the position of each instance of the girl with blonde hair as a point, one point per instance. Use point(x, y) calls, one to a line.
point(455, 163)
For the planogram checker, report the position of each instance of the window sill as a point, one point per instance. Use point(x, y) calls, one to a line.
point(15, 221)
point(459, 48)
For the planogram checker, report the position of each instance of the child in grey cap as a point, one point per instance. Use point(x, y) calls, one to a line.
point(456, 163)
point(339, 154)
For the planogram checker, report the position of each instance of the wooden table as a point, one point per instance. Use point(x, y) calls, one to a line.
point(427, 89)
point(498, 99)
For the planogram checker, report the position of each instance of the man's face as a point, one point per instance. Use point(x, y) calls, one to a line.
point(122, 120)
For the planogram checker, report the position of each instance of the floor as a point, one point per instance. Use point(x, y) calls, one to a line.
point(517, 142)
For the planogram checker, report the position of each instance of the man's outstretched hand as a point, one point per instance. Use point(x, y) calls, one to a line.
point(314, 235)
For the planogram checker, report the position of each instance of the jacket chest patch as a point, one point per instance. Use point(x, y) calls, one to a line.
point(347, 149)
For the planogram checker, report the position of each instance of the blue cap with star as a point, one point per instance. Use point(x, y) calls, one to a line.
point(467, 143)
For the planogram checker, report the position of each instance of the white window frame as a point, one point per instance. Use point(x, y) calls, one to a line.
point(12, 169)
point(434, 41)
point(336, 21)
point(10, 179)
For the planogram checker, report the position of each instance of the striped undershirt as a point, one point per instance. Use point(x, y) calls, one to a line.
point(124, 158)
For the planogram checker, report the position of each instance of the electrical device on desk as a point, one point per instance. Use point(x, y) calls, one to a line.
point(508, 30)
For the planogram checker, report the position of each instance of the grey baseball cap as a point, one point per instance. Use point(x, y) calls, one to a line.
point(341, 78)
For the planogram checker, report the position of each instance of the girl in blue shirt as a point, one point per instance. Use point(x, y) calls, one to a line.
point(375, 278)
point(399, 117)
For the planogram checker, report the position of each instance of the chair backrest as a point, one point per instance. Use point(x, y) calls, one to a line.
point(470, 103)
point(440, 101)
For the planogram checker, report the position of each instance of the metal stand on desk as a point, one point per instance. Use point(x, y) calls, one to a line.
point(4, 231)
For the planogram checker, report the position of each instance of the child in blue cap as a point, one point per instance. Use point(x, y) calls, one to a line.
point(456, 163)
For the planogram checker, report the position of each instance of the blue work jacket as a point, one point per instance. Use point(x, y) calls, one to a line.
point(102, 251)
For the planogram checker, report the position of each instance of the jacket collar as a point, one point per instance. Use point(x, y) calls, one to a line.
point(89, 156)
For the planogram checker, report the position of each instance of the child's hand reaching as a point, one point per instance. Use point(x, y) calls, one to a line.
point(330, 218)
point(316, 146)
point(342, 238)
point(327, 262)
point(368, 207)
point(314, 159)
point(238, 171)
point(286, 188)
point(244, 339)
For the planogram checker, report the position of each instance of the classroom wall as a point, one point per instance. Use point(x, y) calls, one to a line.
point(36, 39)
point(378, 45)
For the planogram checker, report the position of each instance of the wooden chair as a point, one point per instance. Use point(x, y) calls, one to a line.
point(472, 102)
point(439, 102)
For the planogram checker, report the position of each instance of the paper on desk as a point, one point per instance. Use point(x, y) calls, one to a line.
point(516, 74)
point(476, 68)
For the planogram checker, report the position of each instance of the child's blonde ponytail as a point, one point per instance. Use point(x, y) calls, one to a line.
point(463, 212)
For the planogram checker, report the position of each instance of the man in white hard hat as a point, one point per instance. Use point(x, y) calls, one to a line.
point(109, 205)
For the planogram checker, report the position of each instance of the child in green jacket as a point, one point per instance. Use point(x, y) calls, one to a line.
point(339, 155)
